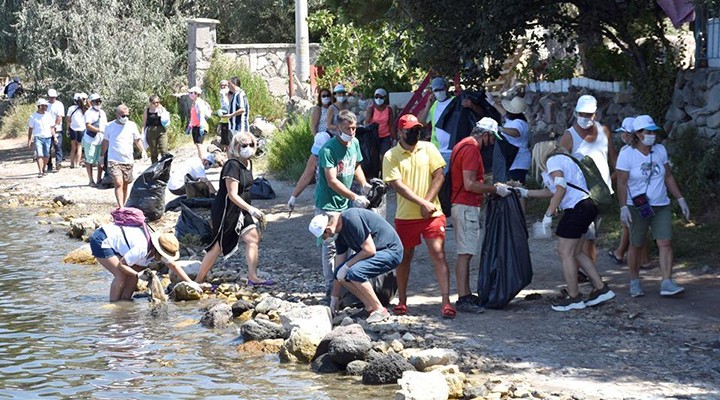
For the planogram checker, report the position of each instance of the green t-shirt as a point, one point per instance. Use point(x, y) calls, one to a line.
point(335, 154)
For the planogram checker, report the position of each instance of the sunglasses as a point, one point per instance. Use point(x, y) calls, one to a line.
point(379, 97)
point(244, 145)
point(125, 116)
point(324, 96)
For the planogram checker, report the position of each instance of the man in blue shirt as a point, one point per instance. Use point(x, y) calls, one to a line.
point(377, 248)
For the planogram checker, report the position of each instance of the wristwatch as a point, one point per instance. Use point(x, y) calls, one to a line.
point(548, 215)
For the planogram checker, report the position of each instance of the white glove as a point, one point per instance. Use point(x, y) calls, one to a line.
point(523, 192)
point(547, 220)
point(144, 155)
point(334, 304)
point(684, 208)
point(625, 217)
point(489, 98)
point(195, 286)
point(501, 189)
point(291, 202)
point(257, 214)
point(361, 202)
point(366, 189)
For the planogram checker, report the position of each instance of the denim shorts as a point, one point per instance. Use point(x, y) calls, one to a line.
point(42, 146)
point(362, 271)
point(98, 251)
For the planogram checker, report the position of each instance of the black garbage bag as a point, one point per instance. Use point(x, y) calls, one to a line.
point(503, 157)
point(192, 223)
point(262, 189)
point(148, 191)
point(505, 267)
point(196, 188)
point(197, 202)
point(370, 148)
point(385, 287)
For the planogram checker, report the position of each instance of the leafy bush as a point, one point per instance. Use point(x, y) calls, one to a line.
point(696, 167)
point(15, 122)
point(608, 64)
point(289, 149)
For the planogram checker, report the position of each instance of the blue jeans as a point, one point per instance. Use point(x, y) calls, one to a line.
point(383, 261)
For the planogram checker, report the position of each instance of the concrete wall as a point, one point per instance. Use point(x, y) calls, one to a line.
point(696, 103)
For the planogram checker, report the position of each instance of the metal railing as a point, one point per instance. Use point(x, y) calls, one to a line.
point(707, 35)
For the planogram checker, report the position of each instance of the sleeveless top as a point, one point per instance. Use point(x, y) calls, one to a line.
point(336, 111)
point(382, 117)
point(322, 122)
point(597, 150)
point(153, 118)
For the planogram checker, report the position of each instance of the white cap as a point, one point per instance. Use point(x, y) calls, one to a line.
point(486, 124)
point(586, 104)
point(381, 92)
point(318, 224)
point(339, 88)
point(195, 89)
point(515, 106)
point(76, 96)
point(83, 95)
point(627, 125)
point(320, 139)
point(42, 102)
point(224, 82)
point(52, 93)
point(644, 122)
point(94, 97)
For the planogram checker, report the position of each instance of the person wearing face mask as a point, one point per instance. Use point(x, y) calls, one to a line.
point(340, 104)
point(431, 114)
point(338, 164)
point(95, 123)
point(377, 250)
point(587, 137)
point(232, 215)
point(199, 113)
point(319, 116)
point(239, 114)
point(381, 113)
point(75, 122)
point(120, 135)
point(415, 170)
point(224, 124)
point(155, 132)
point(644, 178)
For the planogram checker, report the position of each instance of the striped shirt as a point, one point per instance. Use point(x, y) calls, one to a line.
point(239, 123)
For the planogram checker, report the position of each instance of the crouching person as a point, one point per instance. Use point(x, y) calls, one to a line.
point(126, 250)
point(377, 250)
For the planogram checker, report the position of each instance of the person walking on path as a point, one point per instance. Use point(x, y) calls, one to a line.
point(468, 214)
point(338, 163)
point(318, 118)
point(239, 112)
point(95, 123)
point(224, 123)
point(232, 215)
point(415, 170)
point(41, 133)
point(120, 135)
point(155, 132)
point(377, 250)
point(57, 110)
point(644, 178)
point(75, 122)
point(199, 113)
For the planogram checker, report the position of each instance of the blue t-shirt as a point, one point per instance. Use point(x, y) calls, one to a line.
point(358, 224)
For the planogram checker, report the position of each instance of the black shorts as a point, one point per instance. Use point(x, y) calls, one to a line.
point(76, 135)
point(197, 137)
point(224, 134)
point(575, 221)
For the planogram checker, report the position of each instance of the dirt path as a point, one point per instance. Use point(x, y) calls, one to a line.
point(645, 348)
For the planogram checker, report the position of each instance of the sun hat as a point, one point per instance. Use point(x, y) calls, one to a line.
point(317, 226)
point(83, 95)
point(94, 97)
point(408, 121)
point(52, 93)
point(42, 102)
point(339, 88)
point(644, 122)
point(381, 92)
point(320, 139)
point(627, 125)
point(586, 104)
point(515, 106)
point(486, 124)
point(195, 89)
point(166, 245)
point(438, 82)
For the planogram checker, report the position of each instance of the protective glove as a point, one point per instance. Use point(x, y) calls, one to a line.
point(257, 214)
point(501, 189)
point(144, 155)
point(522, 192)
point(361, 202)
point(195, 286)
point(625, 217)
point(334, 304)
point(366, 189)
point(291, 203)
point(547, 220)
point(684, 208)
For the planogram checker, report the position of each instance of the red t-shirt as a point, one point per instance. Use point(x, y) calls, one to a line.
point(466, 157)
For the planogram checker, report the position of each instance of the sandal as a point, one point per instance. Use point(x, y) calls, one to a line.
point(268, 282)
point(400, 309)
point(612, 255)
point(448, 311)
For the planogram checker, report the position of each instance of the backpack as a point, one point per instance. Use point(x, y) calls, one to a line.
point(130, 216)
point(445, 194)
point(599, 192)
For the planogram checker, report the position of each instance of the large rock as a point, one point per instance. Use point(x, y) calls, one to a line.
point(422, 386)
point(427, 358)
point(217, 316)
point(240, 306)
point(183, 291)
point(82, 228)
point(191, 268)
point(454, 378)
point(387, 369)
point(356, 368)
point(270, 303)
point(314, 320)
point(299, 347)
point(269, 346)
point(344, 349)
point(348, 330)
point(261, 127)
point(82, 256)
point(325, 365)
point(260, 329)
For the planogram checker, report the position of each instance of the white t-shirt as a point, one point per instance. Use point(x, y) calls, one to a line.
point(57, 109)
point(442, 136)
point(41, 124)
point(597, 150)
point(136, 253)
point(77, 119)
point(193, 166)
point(572, 174)
point(523, 157)
point(97, 118)
point(120, 138)
point(640, 167)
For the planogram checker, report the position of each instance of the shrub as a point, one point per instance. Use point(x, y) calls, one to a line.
point(15, 122)
point(289, 149)
point(696, 167)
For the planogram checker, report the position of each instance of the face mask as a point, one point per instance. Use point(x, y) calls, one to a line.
point(247, 152)
point(123, 120)
point(440, 96)
point(648, 140)
point(192, 96)
point(96, 107)
point(330, 240)
point(412, 136)
point(585, 123)
point(379, 101)
point(345, 137)
point(341, 99)
point(326, 100)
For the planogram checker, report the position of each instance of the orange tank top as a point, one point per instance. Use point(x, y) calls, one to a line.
point(382, 117)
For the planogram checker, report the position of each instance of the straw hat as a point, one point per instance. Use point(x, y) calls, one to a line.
point(515, 106)
point(166, 245)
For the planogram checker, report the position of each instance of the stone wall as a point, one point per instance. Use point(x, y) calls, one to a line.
point(696, 103)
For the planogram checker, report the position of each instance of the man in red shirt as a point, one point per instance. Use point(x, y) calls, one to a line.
point(468, 187)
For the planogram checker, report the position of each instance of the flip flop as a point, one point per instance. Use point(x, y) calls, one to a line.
point(400, 309)
point(268, 282)
point(618, 261)
point(448, 311)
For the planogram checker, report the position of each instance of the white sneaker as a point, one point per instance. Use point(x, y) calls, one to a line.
point(670, 288)
point(635, 288)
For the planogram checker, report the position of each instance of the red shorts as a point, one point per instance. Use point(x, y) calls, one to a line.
point(410, 230)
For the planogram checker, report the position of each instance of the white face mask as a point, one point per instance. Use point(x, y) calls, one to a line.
point(345, 137)
point(379, 101)
point(96, 107)
point(440, 96)
point(224, 91)
point(585, 123)
point(123, 120)
point(326, 100)
point(341, 99)
point(648, 140)
point(247, 152)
